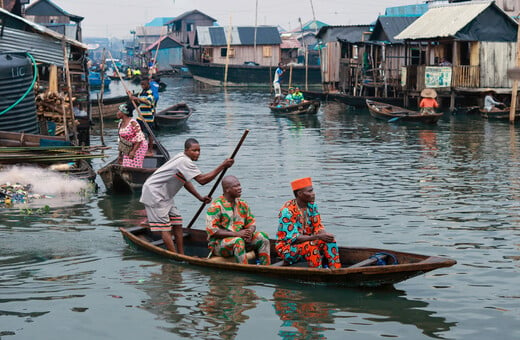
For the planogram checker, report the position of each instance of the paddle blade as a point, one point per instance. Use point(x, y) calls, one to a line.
point(391, 120)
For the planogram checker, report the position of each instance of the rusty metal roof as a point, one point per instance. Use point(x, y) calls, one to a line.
point(442, 21)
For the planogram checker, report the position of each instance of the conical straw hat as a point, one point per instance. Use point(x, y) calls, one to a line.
point(429, 93)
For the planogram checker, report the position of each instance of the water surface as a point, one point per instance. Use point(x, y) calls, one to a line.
point(449, 190)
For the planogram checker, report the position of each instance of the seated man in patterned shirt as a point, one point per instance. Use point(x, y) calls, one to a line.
point(300, 232)
point(231, 226)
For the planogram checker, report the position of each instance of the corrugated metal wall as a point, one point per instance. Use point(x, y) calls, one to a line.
point(167, 57)
point(43, 49)
point(495, 59)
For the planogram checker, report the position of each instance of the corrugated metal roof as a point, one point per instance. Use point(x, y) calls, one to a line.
point(217, 36)
point(444, 20)
point(187, 14)
point(290, 43)
point(41, 29)
point(350, 34)
point(160, 21)
point(164, 42)
point(407, 10)
point(42, 43)
point(389, 26)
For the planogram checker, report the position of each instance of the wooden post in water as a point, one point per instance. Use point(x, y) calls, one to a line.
point(290, 75)
point(100, 100)
point(69, 90)
point(514, 90)
point(227, 52)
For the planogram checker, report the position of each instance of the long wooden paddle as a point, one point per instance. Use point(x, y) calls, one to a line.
point(219, 178)
point(156, 141)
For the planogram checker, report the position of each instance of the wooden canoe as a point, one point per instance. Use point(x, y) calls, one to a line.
point(110, 107)
point(393, 113)
point(305, 107)
point(120, 179)
point(42, 151)
point(174, 116)
point(502, 114)
point(358, 268)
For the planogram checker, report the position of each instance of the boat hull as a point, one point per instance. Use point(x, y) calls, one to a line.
point(308, 107)
point(249, 75)
point(120, 179)
point(110, 107)
point(175, 116)
point(196, 253)
point(498, 115)
point(393, 113)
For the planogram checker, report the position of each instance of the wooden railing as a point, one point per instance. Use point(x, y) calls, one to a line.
point(462, 76)
point(465, 76)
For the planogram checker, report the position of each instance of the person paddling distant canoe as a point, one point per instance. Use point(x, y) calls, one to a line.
point(161, 187)
point(428, 103)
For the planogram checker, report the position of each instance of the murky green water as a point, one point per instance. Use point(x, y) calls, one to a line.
point(450, 190)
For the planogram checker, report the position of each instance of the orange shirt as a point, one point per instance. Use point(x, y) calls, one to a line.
point(428, 102)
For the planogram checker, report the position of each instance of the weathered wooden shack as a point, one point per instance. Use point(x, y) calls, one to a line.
point(50, 15)
point(168, 52)
point(340, 55)
point(386, 54)
point(465, 47)
point(183, 27)
point(248, 44)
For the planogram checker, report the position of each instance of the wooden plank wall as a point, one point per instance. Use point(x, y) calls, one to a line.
point(495, 59)
point(247, 53)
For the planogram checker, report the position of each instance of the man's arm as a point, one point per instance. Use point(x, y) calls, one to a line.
point(191, 189)
point(208, 177)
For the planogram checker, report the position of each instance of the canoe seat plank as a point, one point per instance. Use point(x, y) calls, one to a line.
point(250, 256)
point(368, 262)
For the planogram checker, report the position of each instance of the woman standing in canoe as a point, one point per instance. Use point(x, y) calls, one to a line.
point(130, 134)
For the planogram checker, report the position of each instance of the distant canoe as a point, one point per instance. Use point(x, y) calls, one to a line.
point(502, 114)
point(110, 106)
point(359, 265)
point(391, 113)
point(173, 117)
point(305, 107)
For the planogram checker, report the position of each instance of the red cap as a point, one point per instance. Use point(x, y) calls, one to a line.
point(301, 183)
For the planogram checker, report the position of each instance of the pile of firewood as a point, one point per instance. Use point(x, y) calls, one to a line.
point(55, 106)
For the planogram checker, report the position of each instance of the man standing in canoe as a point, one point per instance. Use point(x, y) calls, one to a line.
point(231, 226)
point(278, 73)
point(161, 187)
point(300, 232)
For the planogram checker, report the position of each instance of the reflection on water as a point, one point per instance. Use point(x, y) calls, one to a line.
point(310, 313)
point(202, 303)
point(215, 309)
point(451, 189)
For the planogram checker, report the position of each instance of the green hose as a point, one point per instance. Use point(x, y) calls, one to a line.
point(35, 71)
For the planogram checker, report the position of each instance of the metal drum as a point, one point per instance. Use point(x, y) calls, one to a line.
point(16, 76)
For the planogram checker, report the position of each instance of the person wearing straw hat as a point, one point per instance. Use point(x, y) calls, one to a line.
point(301, 235)
point(490, 104)
point(428, 102)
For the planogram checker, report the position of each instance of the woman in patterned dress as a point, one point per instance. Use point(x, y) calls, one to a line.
point(130, 130)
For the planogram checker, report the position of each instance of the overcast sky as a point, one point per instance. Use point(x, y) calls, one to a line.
point(116, 18)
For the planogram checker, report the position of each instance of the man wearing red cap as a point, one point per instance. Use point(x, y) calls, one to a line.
point(300, 232)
